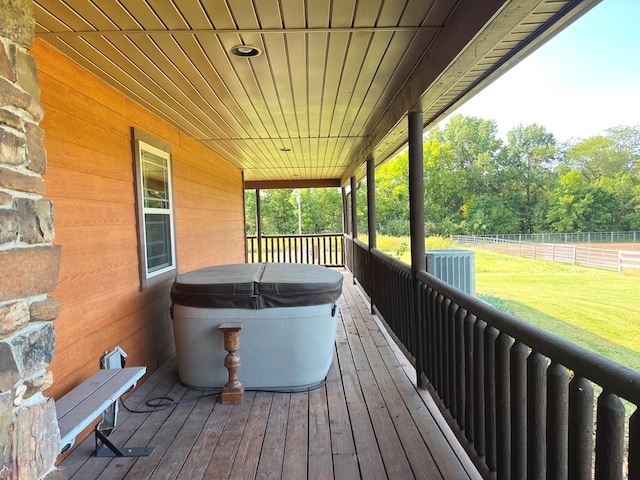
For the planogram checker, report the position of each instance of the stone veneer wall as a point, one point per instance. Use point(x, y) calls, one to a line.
point(29, 262)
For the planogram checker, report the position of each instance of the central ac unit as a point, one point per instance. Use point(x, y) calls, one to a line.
point(455, 267)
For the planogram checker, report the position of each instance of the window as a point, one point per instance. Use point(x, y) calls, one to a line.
point(156, 232)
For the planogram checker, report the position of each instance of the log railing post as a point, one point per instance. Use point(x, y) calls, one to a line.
point(233, 391)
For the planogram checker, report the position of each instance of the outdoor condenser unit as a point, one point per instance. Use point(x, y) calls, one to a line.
point(455, 267)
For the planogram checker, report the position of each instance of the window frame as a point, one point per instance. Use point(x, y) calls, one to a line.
point(143, 141)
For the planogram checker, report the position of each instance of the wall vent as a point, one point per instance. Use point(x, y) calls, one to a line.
point(455, 267)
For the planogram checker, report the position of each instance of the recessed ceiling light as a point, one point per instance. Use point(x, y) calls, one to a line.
point(246, 51)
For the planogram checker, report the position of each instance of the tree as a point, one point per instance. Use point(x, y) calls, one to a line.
point(460, 165)
point(527, 165)
point(279, 212)
point(392, 196)
point(321, 210)
point(250, 211)
point(577, 206)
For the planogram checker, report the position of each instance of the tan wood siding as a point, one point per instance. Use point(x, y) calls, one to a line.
point(90, 180)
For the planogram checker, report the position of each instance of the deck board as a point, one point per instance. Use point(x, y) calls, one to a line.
point(368, 421)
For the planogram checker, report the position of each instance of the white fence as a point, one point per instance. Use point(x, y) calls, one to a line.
point(605, 259)
point(571, 237)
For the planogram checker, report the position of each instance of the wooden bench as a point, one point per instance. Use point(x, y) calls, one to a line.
point(97, 395)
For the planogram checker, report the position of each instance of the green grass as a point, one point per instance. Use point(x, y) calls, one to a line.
point(596, 309)
point(593, 308)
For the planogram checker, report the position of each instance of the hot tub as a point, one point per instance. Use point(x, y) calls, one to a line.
point(289, 312)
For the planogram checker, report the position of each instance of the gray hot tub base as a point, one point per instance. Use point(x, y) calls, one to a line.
point(281, 349)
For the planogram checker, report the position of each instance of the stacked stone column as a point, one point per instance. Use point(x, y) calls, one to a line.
point(29, 262)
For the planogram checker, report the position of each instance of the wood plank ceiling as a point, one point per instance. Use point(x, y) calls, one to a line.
point(333, 82)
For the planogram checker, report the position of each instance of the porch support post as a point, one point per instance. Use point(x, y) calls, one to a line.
point(354, 209)
point(416, 222)
point(259, 225)
point(371, 216)
point(354, 226)
point(345, 223)
point(345, 211)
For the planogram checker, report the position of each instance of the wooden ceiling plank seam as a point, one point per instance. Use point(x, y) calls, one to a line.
point(344, 149)
point(367, 13)
point(166, 76)
point(296, 47)
point(279, 67)
point(221, 149)
point(218, 12)
point(231, 112)
point(268, 14)
point(268, 91)
point(110, 76)
point(416, 10)
point(367, 78)
point(249, 149)
point(243, 13)
point(354, 62)
point(46, 22)
point(227, 73)
point(342, 13)
point(442, 11)
point(92, 14)
point(65, 14)
point(273, 96)
point(244, 70)
point(191, 75)
point(194, 14)
point(282, 159)
point(143, 90)
point(169, 14)
point(298, 151)
point(318, 13)
point(313, 146)
point(336, 55)
point(317, 51)
point(262, 151)
point(305, 149)
point(392, 70)
point(269, 153)
point(294, 13)
point(145, 15)
point(118, 15)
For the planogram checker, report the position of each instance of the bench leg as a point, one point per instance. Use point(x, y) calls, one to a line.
point(104, 448)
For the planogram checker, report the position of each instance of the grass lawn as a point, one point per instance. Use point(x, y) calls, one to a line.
point(597, 309)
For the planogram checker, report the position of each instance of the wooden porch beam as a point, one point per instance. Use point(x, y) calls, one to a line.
point(274, 184)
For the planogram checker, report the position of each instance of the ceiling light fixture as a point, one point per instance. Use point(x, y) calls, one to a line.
point(246, 51)
point(285, 149)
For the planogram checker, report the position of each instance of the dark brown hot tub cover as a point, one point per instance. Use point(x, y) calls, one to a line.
point(257, 285)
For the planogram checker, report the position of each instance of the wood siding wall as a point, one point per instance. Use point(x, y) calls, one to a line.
point(90, 179)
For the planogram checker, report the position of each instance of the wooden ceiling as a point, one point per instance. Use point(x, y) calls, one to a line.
point(332, 85)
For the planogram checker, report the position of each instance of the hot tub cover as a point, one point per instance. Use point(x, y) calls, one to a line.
point(257, 285)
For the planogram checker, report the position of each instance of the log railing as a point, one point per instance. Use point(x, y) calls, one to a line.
point(525, 403)
point(320, 249)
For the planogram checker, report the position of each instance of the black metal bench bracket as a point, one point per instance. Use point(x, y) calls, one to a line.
point(104, 448)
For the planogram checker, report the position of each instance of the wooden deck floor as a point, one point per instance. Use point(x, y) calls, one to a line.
point(368, 421)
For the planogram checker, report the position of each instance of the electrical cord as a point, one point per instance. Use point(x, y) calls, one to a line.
point(157, 404)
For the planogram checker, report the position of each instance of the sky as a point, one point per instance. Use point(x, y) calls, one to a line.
point(584, 80)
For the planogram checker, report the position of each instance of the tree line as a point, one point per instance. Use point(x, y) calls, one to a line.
point(476, 183)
